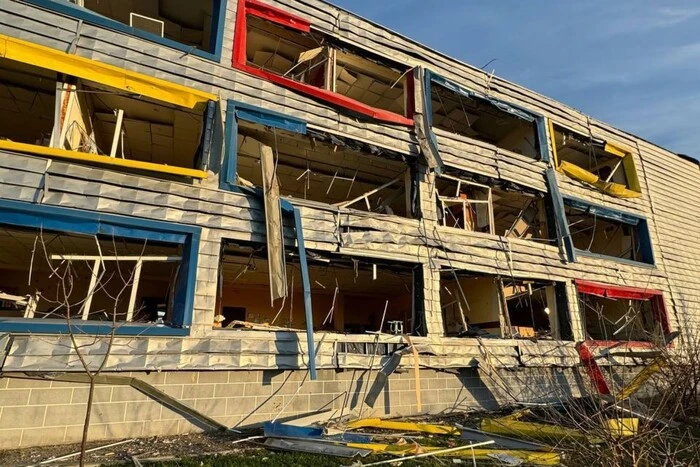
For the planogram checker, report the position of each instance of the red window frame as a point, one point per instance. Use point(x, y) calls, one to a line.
point(281, 17)
point(658, 307)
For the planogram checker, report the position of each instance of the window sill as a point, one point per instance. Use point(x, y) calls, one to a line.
point(59, 326)
point(101, 160)
point(328, 96)
point(629, 262)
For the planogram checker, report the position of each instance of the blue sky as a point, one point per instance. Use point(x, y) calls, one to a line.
point(632, 63)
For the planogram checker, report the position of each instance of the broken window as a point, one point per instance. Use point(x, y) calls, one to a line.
point(532, 308)
point(99, 124)
point(105, 122)
point(615, 313)
point(328, 169)
point(370, 82)
point(606, 232)
point(499, 210)
point(193, 27)
point(349, 295)
point(594, 161)
point(521, 214)
point(482, 305)
point(458, 110)
point(48, 275)
point(282, 48)
point(463, 204)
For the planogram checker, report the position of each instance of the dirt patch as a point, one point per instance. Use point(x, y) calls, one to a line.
point(155, 447)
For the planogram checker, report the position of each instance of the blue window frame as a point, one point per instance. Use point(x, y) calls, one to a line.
point(605, 231)
point(557, 213)
point(239, 111)
point(73, 221)
point(215, 40)
point(526, 115)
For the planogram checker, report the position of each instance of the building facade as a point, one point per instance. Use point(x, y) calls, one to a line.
point(257, 206)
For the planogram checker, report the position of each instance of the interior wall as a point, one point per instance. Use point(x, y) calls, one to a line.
point(476, 215)
point(483, 308)
point(359, 303)
point(353, 311)
point(526, 215)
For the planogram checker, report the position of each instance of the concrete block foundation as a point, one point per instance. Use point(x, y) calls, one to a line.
point(36, 412)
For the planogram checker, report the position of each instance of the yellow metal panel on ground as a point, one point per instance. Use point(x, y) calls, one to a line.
point(529, 430)
point(109, 75)
point(623, 427)
point(404, 426)
point(102, 160)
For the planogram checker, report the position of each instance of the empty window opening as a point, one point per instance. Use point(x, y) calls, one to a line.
point(101, 120)
point(51, 275)
point(85, 119)
point(370, 82)
point(484, 120)
point(594, 230)
point(595, 162)
point(483, 305)
point(497, 210)
point(328, 169)
point(27, 103)
point(189, 23)
point(532, 308)
point(463, 204)
point(315, 60)
point(622, 314)
point(301, 56)
point(348, 295)
point(472, 300)
point(521, 214)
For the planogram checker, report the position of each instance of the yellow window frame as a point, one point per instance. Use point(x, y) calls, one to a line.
point(135, 83)
point(108, 75)
point(97, 159)
point(618, 190)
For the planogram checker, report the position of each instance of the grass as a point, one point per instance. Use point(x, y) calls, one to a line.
point(263, 458)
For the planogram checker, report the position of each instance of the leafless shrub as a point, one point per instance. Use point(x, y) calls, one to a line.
point(666, 407)
point(68, 304)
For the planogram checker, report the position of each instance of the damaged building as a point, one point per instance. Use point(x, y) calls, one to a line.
point(260, 209)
